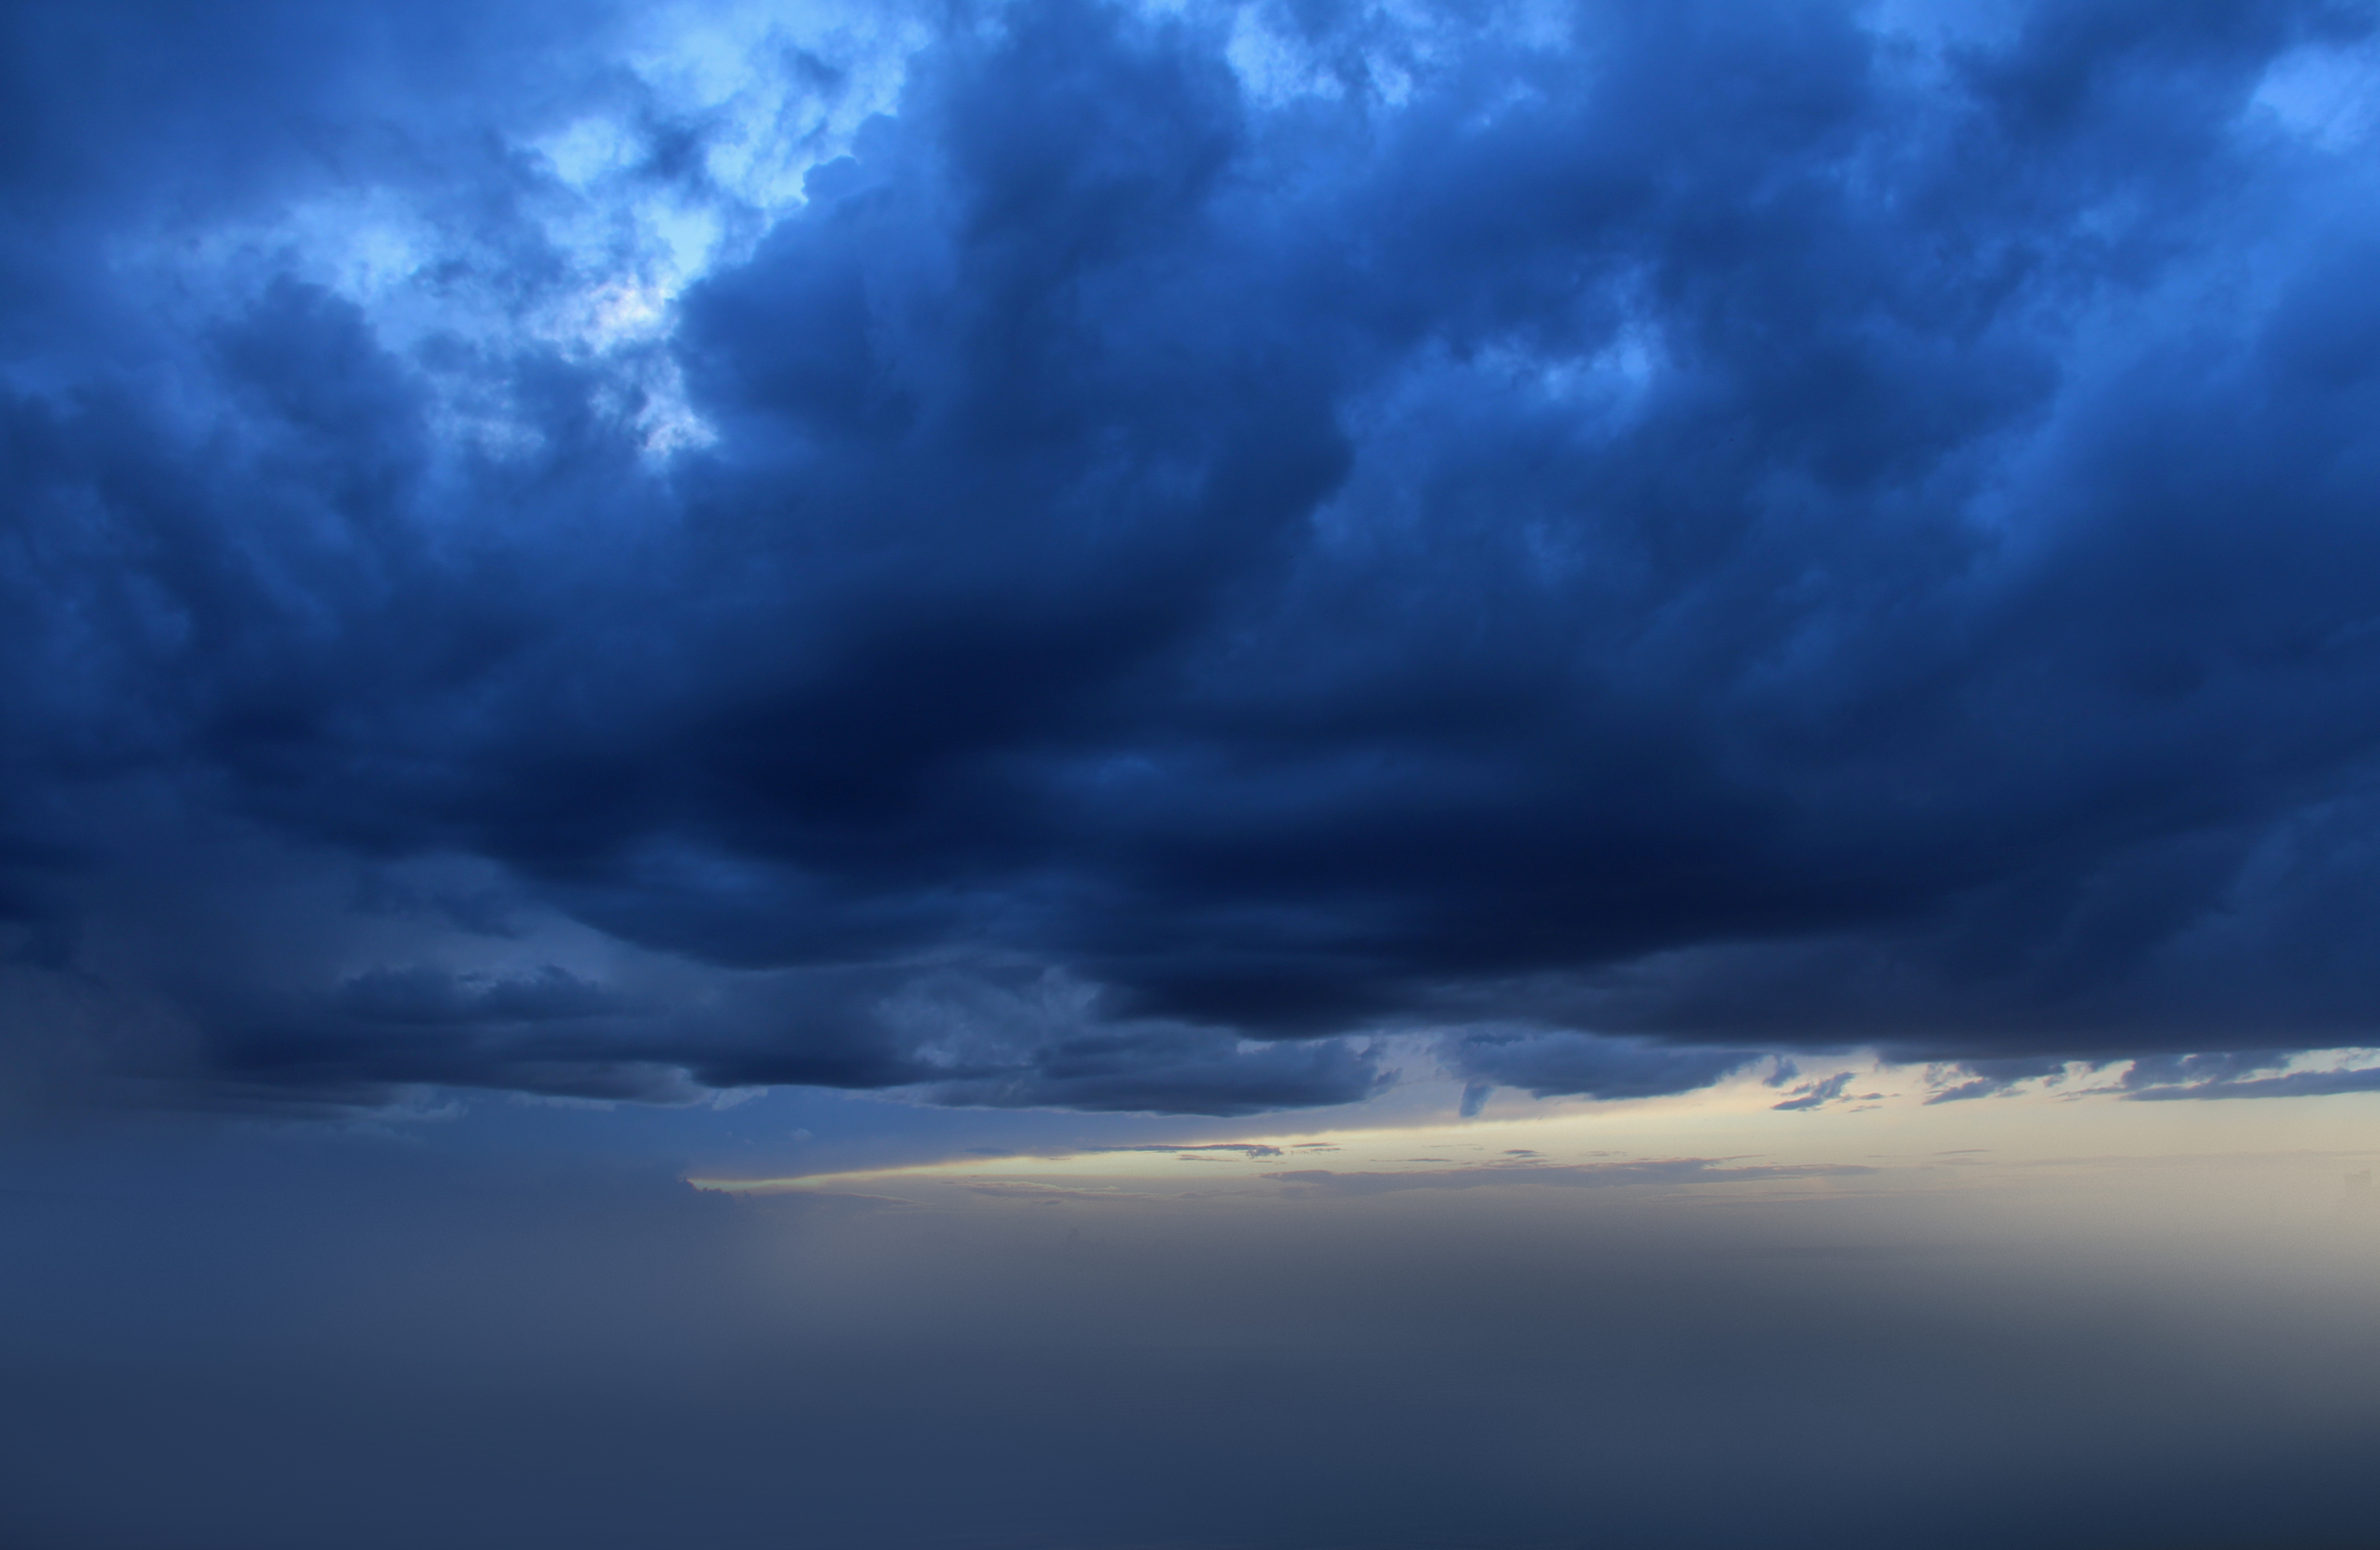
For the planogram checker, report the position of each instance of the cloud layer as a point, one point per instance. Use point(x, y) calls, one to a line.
point(1629, 534)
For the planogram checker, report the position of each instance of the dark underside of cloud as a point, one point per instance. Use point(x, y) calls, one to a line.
point(1709, 526)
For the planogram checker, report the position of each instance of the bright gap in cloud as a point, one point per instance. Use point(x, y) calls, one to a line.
point(616, 209)
point(1875, 1123)
point(2327, 96)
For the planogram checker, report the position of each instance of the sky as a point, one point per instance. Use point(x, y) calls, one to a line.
point(1181, 773)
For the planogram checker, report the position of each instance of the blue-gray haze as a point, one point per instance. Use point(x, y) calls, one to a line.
point(301, 1345)
point(1212, 548)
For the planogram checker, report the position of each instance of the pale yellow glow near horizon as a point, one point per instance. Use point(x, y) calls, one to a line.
point(2067, 1128)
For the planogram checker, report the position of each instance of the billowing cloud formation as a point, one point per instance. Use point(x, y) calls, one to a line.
point(1194, 539)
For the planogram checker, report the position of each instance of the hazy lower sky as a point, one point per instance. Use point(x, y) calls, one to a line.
point(1693, 1321)
point(1131, 775)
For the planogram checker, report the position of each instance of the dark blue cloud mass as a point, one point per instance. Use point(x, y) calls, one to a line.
point(1611, 535)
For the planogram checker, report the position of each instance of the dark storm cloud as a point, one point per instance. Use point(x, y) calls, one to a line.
point(1695, 528)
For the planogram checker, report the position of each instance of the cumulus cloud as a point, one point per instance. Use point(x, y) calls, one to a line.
point(1188, 540)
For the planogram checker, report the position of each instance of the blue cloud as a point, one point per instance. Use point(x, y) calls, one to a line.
point(1732, 529)
point(1547, 1063)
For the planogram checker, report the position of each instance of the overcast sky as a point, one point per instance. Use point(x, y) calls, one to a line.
point(768, 591)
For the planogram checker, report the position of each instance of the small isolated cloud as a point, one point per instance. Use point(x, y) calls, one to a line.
point(1551, 1063)
point(1961, 1081)
point(1173, 1070)
point(1817, 1095)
